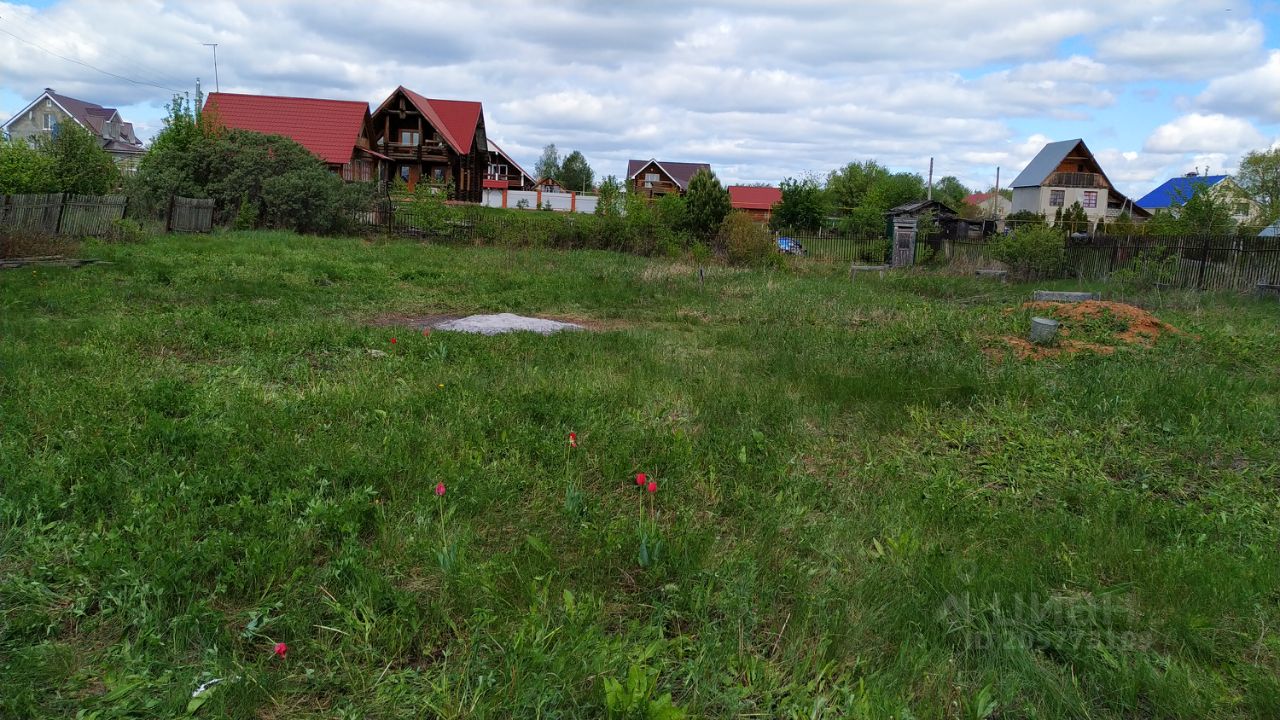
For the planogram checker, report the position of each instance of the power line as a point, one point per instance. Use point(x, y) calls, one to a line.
point(85, 64)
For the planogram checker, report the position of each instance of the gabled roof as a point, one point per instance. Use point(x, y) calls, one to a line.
point(90, 116)
point(455, 120)
point(328, 128)
point(679, 172)
point(493, 148)
point(748, 197)
point(977, 199)
point(1176, 191)
point(1047, 161)
point(919, 206)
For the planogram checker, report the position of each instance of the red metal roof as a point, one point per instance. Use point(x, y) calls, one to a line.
point(455, 119)
point(978, 198)
point(746, 197)
point(328, 128)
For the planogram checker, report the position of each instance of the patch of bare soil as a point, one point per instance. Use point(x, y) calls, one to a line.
point(1111, 324)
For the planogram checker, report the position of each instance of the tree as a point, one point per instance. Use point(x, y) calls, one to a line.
point(803, 207)
point(575, 174)
point(1072, 220)
point(848, 186)
point(80, 165)
point(609, 200)
point(707, 204)
point(549, 164)
point(1204, 213)
point(176, 162)
point(23, 169)
point(951, 192)
point(1259, 175)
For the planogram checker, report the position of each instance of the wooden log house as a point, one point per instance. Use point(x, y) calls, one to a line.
point(434, 141)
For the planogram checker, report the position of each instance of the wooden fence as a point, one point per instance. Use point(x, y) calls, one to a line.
point(62, 213)
point(189, 215)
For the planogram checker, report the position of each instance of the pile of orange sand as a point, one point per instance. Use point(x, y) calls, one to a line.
point(1141, 328)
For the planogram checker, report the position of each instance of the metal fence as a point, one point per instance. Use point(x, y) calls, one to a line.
point(872, 250)
point(62, 213)
point(1203, 262)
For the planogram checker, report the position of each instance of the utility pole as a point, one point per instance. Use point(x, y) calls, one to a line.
point(217, 86)
point(930, 178)
point(995, 199)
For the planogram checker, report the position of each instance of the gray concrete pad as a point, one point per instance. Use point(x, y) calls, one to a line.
point(503, 323)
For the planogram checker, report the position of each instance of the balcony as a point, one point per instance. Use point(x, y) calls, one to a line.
point(434, 149)
point(1075, 180)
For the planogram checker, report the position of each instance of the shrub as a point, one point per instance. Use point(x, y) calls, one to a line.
point(745, 242)
point(1031, 251)
point(1151, 268)
point(303, 199)
point(25, 170)
point(80, 165)
point(247, 215)
point(707, 204)
point(125, 231)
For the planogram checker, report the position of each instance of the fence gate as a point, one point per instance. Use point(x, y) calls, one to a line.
point(904, 244)
point(189, 215)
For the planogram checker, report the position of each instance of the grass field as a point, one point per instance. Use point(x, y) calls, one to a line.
point(210, 447)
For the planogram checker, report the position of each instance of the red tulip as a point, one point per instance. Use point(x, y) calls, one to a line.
point(652, 486)
point(393, 341)
point(281, 650)
point(440, 489)
point(641, 478)
point(573, 439)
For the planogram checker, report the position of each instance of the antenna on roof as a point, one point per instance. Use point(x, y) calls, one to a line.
point(217, 86)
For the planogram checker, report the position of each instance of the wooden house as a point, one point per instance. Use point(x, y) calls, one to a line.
point(434, 141)
point(1064, 173)
point(754, 200)
point(504, 173)
point(651, 178)
point(336, 131)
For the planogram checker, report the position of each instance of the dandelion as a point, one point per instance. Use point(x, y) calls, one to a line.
point(281, 650)
point(573, 439)
point(439, 489)
point(641, 478)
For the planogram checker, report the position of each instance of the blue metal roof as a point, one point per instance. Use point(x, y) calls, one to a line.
point(1177, 191)
point(1044, 163)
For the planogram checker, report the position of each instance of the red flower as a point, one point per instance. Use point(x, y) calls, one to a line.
point(573, 439)
point(393, 341)
point(426, 332)
point(652, 486)
point(440, 489)
point(281, 650)
point(641, 478)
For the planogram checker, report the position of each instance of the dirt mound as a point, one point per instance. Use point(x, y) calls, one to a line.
point(1096, 326)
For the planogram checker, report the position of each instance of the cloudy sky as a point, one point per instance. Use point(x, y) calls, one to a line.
point(759, 88)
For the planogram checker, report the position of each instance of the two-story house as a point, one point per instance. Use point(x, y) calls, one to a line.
point(1064, 173)
point(504, 173)
point(43, 116)
point(1174, 192)
point(436, 141)
point(651, 178)
point(336, 131)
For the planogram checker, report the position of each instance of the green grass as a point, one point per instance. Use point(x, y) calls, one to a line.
point(860, 513)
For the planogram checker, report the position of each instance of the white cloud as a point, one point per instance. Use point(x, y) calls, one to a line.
point(1254, 92)
point(1196, 133)
point(1186, 48)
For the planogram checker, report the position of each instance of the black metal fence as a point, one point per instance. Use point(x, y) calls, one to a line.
point(1203, 262)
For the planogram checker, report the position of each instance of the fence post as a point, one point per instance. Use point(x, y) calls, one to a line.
point(168, 215)
point(62, 207)
point(1204, 260)
point(1115, 250)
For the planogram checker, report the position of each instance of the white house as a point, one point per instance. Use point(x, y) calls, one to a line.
point(1064, 173)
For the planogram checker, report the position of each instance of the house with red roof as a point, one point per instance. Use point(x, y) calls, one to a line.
point(990, 205)
point(336, 131)
point(653, 178)
point(756, 201)
point(47, 112)
point(436, 141)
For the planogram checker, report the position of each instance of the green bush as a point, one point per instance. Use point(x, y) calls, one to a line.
point(1031, 251)
point(247, 215)
point(745, 242)
point(125, 230)
point(25, 170)
point(1152, 268)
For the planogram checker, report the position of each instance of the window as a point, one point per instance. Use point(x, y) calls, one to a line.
point(410, 137)
point(651, 177)
point(437, 173)
point(1057, 198)
point(497, 171)
point(1090, 199)
point(404, 173)
point(48, 121)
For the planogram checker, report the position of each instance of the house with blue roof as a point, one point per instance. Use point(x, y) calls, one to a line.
point(1170, 196)
point(1064, 173)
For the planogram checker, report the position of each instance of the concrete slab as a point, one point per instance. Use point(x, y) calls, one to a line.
point(504, 323)
point(1066, 297)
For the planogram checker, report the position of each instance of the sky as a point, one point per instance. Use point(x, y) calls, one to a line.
point(762, 90)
